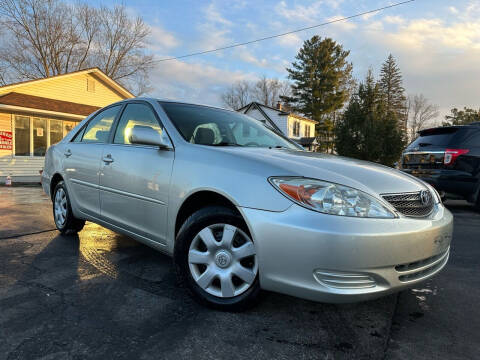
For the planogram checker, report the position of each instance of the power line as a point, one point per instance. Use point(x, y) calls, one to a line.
point(286, 33)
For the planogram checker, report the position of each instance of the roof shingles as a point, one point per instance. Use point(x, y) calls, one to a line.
point(41, 103)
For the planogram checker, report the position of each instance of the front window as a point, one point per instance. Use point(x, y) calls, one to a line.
point(135, 114)
point(216, 127)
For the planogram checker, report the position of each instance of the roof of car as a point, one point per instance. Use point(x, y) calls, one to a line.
point(467, 126)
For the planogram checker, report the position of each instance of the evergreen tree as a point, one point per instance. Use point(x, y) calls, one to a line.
point(321, 75)
point(462, 117)
point(368, 130)
point(392, 89)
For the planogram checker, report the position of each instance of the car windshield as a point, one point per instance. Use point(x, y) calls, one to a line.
point(216, 127)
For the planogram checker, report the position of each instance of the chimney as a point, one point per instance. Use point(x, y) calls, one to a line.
point(279, 105)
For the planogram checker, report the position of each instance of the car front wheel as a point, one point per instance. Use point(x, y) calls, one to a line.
point(62, 211)
point(216, 259)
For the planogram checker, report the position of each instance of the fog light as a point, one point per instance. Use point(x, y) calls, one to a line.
point(343, 280)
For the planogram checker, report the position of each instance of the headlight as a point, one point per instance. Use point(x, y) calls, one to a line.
point(438, 198)
point(330, 198)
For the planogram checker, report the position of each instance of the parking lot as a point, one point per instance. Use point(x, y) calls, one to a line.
point(102, 295)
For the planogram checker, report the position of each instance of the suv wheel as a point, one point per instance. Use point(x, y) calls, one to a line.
point(62, 211)
point(215, 258)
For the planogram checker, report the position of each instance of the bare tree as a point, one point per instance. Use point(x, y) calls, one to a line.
point(265, 91)
point(421, 113)
point(238, 95)
point(268, 91)
point(42, 38)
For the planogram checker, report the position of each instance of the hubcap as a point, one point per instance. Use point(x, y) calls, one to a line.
point(60, 207)
point(222, 260)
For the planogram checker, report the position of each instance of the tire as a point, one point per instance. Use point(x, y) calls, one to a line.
point(63, 217)
point(223, 274)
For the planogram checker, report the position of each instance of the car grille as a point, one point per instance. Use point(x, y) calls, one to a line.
point(411, 204)
point(422, 268)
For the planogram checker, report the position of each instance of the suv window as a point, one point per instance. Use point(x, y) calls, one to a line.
point(135, 114)
point(473, 140)
point(435, 137)
point(98, 129)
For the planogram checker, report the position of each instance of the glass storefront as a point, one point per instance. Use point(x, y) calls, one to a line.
point(33, 135)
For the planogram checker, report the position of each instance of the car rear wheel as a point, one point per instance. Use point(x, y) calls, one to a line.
point(216, 259)
point(62, 211)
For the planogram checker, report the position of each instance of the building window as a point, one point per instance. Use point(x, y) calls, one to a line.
point(296, 128)
point(56, 131)
point(22, 135)
point(68, 126)
point(39, 137)
point(307, 130)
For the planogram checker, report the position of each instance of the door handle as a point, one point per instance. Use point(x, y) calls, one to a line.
point(67, 152)
point(108, 159)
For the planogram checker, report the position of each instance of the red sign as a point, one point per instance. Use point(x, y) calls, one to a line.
point(6, 142)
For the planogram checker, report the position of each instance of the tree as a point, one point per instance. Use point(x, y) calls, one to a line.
point(269, 91)
point(238, 95)
point(368, 130)
point(420, 114)
point(391, 87)
point(321, 78)
point(265, 91)
point(462, 117)
point(49, 37)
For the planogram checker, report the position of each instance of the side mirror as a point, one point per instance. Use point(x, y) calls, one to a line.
point(145, 135)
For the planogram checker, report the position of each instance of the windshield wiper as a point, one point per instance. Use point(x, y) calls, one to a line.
point(277, 147)
point(226, 143)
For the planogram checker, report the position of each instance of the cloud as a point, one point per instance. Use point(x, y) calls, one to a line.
point(161, 40)
point(453, 9)
point(438, 58)
point(342, 24)
point(194, 82)
point(215, 29)
point(394, 19)
point(300, 13)
point(290, 40)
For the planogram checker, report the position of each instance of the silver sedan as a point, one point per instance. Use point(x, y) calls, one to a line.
point(242, 208)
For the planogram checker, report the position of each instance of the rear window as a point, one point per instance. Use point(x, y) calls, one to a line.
point(435, 137)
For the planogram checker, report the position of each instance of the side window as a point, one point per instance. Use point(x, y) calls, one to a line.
point(135, 114)
point(98, 128)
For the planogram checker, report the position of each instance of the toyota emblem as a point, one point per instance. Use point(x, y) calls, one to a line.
point(425, 197)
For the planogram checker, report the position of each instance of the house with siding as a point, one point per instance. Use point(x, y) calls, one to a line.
point(296, 127)
point(38, 113)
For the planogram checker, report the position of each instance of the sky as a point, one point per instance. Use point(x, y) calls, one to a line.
point(436, 43)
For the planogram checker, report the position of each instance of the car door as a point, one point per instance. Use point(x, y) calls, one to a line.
point(82, 161)
point(135, 179)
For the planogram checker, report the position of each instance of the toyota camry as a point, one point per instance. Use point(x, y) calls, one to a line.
point(241, 208)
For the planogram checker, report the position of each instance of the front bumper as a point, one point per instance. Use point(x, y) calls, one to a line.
point(343, 259)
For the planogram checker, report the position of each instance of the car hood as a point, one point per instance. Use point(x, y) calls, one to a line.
point(362, 175)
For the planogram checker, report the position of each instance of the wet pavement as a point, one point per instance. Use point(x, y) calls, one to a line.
point(103, 295)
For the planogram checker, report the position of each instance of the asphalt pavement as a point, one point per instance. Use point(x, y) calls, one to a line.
point(100, 295)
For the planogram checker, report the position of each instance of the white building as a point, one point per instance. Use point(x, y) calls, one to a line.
point(296, 127)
